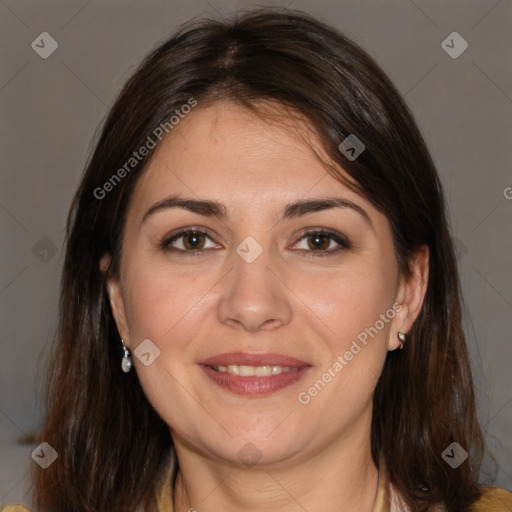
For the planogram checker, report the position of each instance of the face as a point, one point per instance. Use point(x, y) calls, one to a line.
point(265, 323)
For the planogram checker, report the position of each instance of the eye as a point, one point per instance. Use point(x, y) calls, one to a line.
point(193, 241)
point(319, 242)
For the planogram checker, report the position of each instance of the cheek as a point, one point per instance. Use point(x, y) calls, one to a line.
point(164, 306)
point(355, 304)
point(350, 299)
point(162, 302)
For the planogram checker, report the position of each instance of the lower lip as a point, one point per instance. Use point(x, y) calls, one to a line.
point(254, 385)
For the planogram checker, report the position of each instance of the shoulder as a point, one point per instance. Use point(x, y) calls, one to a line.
point(493, 499)
point(14, 508)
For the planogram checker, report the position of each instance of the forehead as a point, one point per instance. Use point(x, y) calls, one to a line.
point(224, 148)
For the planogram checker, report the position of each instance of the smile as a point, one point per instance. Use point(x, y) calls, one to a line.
point(253, 374)
point(251, 371)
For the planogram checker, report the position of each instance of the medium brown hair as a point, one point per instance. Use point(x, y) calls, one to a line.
point(113, 448)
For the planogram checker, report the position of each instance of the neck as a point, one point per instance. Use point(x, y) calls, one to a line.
point(340, 477)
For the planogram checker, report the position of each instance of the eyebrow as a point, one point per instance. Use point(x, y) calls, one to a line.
point(292, 210)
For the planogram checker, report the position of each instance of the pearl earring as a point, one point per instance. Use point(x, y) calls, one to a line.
point(126, 363)
point(402, 336)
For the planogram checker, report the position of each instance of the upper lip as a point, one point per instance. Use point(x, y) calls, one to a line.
point(253, 359)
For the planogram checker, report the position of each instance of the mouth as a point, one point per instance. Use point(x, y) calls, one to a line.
point(254, 374)
point(243, 370)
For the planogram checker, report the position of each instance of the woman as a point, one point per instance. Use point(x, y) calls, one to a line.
point(260, 303)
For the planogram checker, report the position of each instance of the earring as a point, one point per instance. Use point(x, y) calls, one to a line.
point(126, 363)
point(402, 336)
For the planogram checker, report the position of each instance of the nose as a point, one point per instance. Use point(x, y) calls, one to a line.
point(254, 297)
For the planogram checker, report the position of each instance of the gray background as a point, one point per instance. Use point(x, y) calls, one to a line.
point(51, 108)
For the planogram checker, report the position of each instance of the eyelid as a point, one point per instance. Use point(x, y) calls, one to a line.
point(323, 231)
point(177, 234)
point(334, 235)
point(342, 241)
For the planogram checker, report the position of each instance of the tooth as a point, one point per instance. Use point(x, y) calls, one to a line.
point(234, 369)
point(258, 371)
point(262, 371)
point(246, 371)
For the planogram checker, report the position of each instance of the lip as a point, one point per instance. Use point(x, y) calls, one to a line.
point(254, 385)
point(253, 359)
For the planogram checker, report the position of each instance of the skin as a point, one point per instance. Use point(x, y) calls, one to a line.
point(313, 457)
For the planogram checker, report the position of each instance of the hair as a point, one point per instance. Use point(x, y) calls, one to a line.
point(113, 447)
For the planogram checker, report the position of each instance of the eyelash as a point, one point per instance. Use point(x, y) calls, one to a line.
point(333, 235)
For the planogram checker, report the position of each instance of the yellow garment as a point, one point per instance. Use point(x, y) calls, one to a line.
point(493, 500)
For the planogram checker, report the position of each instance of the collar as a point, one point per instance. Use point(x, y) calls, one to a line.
point(164, 499)
point(380, 500)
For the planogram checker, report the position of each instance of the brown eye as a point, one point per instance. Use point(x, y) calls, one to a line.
point(187, 241)
point(319, 241)
point(194, 240)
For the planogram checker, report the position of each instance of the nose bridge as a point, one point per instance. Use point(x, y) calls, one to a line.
point(252, 276)
point(253, 296)
point(252, 264)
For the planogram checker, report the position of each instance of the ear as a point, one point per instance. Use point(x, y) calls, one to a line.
point(410, 295)
point(116, 300)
